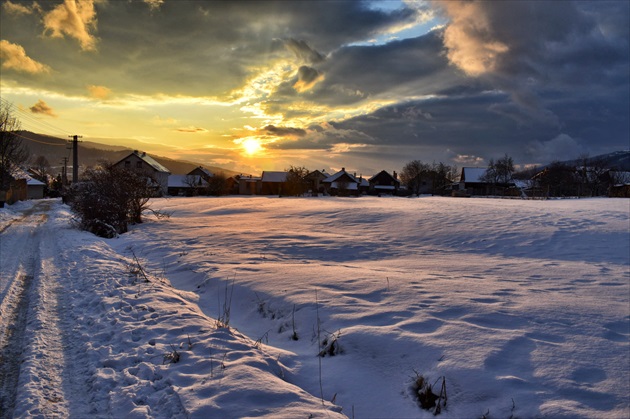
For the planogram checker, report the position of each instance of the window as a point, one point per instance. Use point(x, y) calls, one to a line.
point(127, 164)
point(138, 165)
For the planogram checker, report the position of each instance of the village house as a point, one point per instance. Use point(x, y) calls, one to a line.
point(249, 185)
point(189, 184)
point(143, 163)
point(34, 188)
point(619, 184)
point(472, 182)
point(21, 186)
point(314, 180)
point(271, 183)
point(384, 183)
point(343, 183)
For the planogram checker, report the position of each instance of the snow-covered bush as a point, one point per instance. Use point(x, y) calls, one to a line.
point(108, 198)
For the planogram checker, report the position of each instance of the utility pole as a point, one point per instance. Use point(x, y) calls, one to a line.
point(75, 157)
point(64, 172)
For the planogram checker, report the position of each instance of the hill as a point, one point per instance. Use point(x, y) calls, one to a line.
point(618, 160)
point(91, 153)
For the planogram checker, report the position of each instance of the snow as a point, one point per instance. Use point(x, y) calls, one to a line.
point(523, 307)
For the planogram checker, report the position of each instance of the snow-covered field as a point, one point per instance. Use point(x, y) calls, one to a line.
point(522, 306)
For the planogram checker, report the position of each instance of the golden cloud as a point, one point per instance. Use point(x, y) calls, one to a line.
point(14, 57)
point(99, 92)
point(307, 78)
point(42, 107)
point(469, 38)
point(74, 18)
point(18, 9)
point(191, 129)
point(154, 4)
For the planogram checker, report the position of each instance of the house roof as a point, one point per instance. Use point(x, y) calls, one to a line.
point(148, 160)
point(34, 182)
point(317, 173)
point(383, 173)
point(19, 173)
point(203, 170)
point(333, 178)
point(274, 177)
point(180, 181)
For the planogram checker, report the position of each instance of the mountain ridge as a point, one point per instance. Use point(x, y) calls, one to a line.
point(91, 153)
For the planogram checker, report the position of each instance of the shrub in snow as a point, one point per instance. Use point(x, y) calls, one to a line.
point(330, 345)
point(109, 198)
point(427, 399)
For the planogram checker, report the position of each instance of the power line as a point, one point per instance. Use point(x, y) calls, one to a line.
point(40, 142)
point(32, 120)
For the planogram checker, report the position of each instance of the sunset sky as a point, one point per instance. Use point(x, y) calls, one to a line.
point(253, 86)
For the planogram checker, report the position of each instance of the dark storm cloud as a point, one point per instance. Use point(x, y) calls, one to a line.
point(353, 74)
point(284, 131)
point(191, 48)
point(303, 51)
point(480, 125)
point(530, 47)
point(559, 71)
point(324, 137)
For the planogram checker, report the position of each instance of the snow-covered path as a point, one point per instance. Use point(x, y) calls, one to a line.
point(32, 370)
point(85, 333)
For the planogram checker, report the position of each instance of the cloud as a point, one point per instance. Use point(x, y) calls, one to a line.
point(191, 129)
point(74, 18)
point(560, 148)
point(99, 92)
point(471, 44)
point(14, 57)
point(303, 51)
point(533, 48)
point(284, 131)
point(325, 136)
point(308, 77)
point(42, 107)
point(157, 120)
point(154, 4)
point(468, 160)
point(19, 9)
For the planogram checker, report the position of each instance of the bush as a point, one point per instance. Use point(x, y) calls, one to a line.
point(109, 198)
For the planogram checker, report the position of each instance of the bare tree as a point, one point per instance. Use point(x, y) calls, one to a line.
point(12, 151)
point(414, 174)
point(557, 179)
point(41, 168)
point(217, 185)
point(194, 183)
point(295, 184)
point(441, 176)
point(110, 197)
point(500, 172)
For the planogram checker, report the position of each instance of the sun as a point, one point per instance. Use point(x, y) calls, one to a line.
point(251, 146)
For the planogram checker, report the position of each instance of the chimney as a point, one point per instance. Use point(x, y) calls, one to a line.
point(343, 169)
point(395, 175)
point(144, 154)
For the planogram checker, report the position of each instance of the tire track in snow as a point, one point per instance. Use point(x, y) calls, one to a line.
point(35, 378)
point(14, 312)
